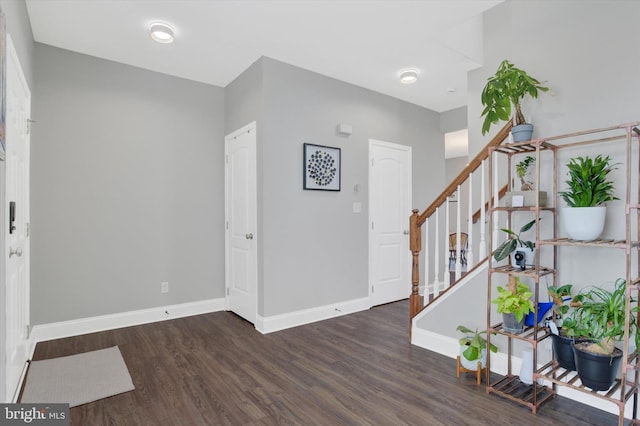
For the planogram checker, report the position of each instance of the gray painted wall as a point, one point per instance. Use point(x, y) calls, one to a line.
point(454, 120)
point(315, 249)
point(19, 28)
point(127, 188)
point(586, 54)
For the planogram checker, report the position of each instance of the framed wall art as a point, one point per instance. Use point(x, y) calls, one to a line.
point(321, 167)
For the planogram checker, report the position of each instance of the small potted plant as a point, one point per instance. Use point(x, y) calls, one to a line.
point(527, 187)
point(505, 89)
point(561, 343)
point(522, 256)
point(599, 315)
point(473, 348)
point(589, 189)
point(514, 303)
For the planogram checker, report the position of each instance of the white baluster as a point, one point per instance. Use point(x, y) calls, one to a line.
point(482, 248)
point(458, 259)
point(425, 292)
point(470, 225)
point(447, 272)
point(436, 257)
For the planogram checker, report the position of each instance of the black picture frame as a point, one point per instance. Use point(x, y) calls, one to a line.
point(321, 167)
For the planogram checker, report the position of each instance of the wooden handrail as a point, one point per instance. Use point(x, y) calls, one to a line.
point(478, 213)
point(418, 219)
point(462, 176)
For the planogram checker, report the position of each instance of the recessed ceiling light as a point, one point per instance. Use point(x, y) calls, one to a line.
point(161, 32)
point(408, 76)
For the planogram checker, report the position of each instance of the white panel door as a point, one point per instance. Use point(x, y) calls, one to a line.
point(241, 222)
point(389, 210)
point(18, 110)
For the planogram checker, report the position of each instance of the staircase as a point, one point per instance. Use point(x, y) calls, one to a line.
point(445, 217)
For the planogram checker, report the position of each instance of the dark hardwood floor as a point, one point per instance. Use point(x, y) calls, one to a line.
point(360, 369)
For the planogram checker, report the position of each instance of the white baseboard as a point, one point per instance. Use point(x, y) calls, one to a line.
point(293, 319)
point(449, 346)
point(58, 330)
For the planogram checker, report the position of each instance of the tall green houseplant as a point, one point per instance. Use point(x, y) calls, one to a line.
point(588, 182)
point(589, 188)
point(505, 89)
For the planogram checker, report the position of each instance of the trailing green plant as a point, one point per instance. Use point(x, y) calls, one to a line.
point(558, 294)
point(507, 87)
point(508, 246)
point(521, 170)
point(475, 343)
point(588, 182)
point(515, 300)
point(599, 314)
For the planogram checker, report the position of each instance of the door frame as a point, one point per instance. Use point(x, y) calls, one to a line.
point(251, 127)
point(389, 145)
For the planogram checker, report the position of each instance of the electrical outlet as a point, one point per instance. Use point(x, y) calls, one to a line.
point(164, 287)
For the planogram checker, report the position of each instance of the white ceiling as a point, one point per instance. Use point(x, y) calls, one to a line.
point(363, 42)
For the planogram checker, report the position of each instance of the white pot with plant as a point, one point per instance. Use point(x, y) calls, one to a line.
point(473, 348)
point(589, 189)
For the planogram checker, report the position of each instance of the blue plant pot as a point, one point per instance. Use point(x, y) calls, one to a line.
point(543, 308)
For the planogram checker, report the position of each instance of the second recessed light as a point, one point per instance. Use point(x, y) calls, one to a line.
point(161, 32)
point(408, 76)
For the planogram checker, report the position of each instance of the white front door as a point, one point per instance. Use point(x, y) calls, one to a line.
point(241, 222)
point(389, 210)
point(18, 110)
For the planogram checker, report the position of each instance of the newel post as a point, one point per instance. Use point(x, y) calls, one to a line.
point(415, 245)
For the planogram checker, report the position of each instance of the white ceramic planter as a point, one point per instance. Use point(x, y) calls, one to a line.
point(583, 223)
point(473, 365)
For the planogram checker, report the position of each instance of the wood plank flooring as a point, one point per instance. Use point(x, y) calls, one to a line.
point(360, 369)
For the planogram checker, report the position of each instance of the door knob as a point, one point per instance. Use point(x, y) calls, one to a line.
point(406, 232)
point(17, 252)
point(249, 236)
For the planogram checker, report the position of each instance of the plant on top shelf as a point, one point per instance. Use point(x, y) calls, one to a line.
point(521, 170)
point(589, 189)
point(505, 89)
point(511, 244)
point(474, 342)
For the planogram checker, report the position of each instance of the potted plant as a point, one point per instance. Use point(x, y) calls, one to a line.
point(514, 303)
point(559, 295)
point(561, 343)
point(589, 188)
point(527, 187)
point(508, 87)
point(521, 257)
point(473, 348)
point(599, 315)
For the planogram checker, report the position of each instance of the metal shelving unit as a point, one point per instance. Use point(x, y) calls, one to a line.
point(624, 388)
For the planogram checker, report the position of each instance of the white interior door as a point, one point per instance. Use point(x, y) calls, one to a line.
point(241, 222)
point(18, 109)
point(389, 210)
